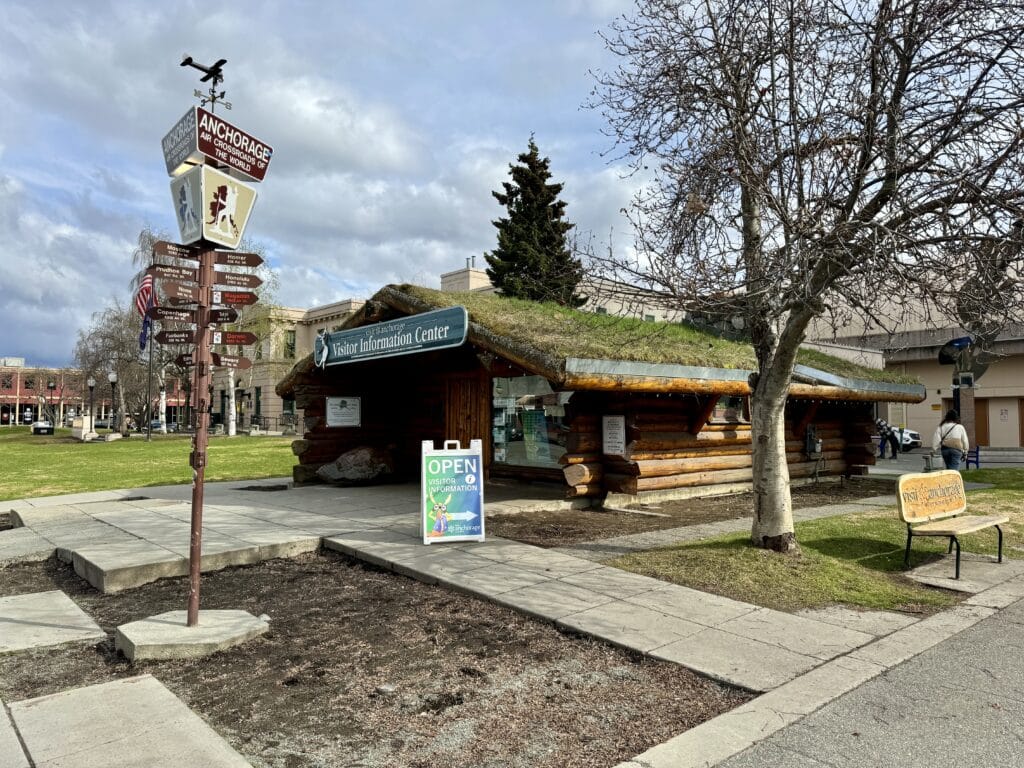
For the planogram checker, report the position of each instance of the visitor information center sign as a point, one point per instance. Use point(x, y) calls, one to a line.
point(425, 332)
point(452, 492)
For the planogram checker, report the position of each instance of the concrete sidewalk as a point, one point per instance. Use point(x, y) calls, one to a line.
point(800, 662)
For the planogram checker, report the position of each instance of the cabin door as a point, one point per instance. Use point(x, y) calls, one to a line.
point(467, 410)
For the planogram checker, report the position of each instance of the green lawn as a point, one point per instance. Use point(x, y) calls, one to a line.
point(854, 560)
point(36, 465)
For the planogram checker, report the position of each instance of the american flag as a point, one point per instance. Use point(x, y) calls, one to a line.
point(145, 299)
point(145, 295)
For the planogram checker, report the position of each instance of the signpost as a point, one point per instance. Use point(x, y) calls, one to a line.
point(234, 338)
point(176, 337)
point(212, 208)
point(235, 298)
point(173, 273)
point(169, 314)
point(237, 279)
point(180, 292)
point(174, 250)
point(201, 135)
point(221, 361)
point(233, 259)
point(227, 315)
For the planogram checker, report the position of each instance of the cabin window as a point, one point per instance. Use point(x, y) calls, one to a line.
point(527, 425)
point(731, 410)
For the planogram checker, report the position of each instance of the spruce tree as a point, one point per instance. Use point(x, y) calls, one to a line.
point(533, 260)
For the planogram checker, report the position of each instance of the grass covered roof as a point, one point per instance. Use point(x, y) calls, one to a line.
point(560, 332)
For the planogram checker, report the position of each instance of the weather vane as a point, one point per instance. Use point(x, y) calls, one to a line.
point(215, 76)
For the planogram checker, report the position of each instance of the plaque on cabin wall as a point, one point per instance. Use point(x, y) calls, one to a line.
point(613, 435)
point(344, 412)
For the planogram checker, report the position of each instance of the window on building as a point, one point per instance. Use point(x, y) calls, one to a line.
point(30, 383)
point(257, 399)
point(527, 422)
point(7, 381)
point(288, 405)
point(731, 410)
point(289, 345)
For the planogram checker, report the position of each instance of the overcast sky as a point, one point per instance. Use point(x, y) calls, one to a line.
point(391, 124)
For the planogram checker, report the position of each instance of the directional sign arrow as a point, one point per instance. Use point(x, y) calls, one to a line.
point(163, 248)
point(235, 298)
point(237, 279)
point(236, 259)
point(179, 291)
point(228, 315)
point(173, 315)
point(231, 361)
point(173, 273)
point(461, 515)
point(184, 361)
point(176, 337)
point(233, 338)
point(179, 302)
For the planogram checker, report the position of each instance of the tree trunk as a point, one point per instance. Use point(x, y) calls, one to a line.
point(773, 506)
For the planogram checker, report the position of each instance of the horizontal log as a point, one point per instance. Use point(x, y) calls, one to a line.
point(590, 489)
point(661, 468)
point(632, 485)
point(582, 474)
point(666, 441)
point(652, 384)
point(299, 447)
point(582, 442)
point(578, 458)
point(729, 449)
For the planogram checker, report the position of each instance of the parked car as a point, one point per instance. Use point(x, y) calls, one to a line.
point(911, 439)
point(42, 428)
point(101, 424)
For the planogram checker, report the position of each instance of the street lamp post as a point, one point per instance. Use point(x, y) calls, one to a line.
point(52, 385)
point(91, 383)
point(112, 378)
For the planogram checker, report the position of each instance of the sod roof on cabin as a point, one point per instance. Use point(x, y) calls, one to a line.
point(564, 333)
point(549, 340)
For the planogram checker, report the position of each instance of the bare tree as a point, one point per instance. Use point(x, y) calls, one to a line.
point(809, 156)
point(111, 345)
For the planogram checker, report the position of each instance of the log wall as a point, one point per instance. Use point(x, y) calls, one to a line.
point(670, 444)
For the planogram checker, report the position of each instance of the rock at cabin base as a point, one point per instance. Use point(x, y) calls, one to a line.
point(360, 465)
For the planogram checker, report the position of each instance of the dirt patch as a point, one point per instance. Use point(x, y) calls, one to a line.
point(565, 527)
point(364, 668)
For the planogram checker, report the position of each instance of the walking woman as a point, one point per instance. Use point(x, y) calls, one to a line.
point(951, 438)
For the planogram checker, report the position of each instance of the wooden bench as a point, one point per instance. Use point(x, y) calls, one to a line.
point(933, 504)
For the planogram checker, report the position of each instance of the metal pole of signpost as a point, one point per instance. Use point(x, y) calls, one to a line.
point(201, 384)
point(149, 395)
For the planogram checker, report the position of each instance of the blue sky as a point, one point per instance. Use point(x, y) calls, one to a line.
point(391, 123)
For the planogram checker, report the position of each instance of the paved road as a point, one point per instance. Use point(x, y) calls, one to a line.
point(961, 703)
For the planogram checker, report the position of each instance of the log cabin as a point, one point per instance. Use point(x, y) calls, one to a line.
point(596, 403)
